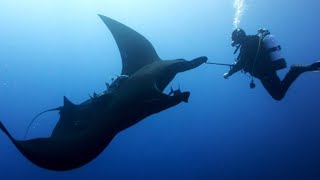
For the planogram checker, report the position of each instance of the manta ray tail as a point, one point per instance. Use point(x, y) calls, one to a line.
point(54, 109)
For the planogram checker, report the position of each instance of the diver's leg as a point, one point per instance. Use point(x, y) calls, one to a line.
point(276, 88)
point(272, 84)
point(294, 72)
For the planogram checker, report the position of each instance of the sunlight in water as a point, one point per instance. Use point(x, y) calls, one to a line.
point(239, 8)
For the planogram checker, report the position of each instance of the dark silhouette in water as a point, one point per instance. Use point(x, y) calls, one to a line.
point(84, 131)
point(259, 55)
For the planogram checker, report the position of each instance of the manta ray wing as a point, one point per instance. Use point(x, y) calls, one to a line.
point(136, 51)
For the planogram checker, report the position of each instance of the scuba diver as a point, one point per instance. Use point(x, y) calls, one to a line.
point(260, 56)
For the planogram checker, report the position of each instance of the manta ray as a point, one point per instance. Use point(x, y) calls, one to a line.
point(84, 130)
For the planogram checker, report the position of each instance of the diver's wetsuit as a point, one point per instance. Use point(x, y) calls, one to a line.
point(253, 58)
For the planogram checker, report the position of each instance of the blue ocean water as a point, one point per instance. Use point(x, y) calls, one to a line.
point(51, 49)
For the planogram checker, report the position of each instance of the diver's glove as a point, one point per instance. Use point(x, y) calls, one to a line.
point(226, 75)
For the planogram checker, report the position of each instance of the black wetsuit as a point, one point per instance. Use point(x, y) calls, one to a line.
point(254, 58)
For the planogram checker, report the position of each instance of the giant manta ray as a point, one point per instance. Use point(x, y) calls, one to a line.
point(84, 130)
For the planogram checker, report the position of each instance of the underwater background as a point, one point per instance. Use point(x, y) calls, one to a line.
point(51, 49)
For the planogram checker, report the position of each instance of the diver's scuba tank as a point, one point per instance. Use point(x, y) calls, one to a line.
point(273, 49)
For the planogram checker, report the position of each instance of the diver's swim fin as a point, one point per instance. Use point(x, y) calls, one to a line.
point(315, 67)
point(299, 68)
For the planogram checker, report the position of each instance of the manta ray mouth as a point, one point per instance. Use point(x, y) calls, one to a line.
point(177, 93)
point(183, 96)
